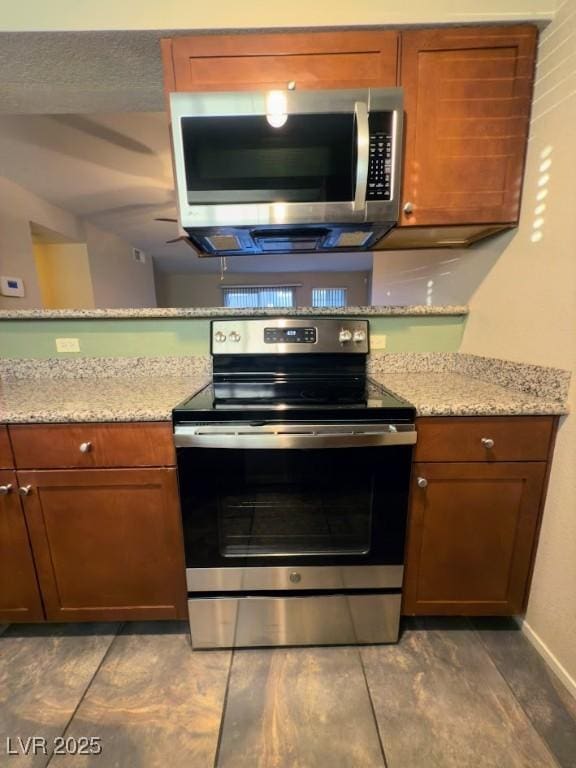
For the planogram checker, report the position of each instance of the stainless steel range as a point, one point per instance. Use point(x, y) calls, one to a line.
point(294, 470)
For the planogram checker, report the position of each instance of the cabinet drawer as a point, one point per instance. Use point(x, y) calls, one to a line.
point(6, 461)
point(52, 446)
point(515, 438)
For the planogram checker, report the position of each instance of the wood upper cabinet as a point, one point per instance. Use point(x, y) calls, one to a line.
point(467, 96)
point(107, 543)
point(346, 59)
point(472, 537)
point(19, 595)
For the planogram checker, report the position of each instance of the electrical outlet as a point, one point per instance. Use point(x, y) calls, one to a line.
point(377, 341)
point(67, 345)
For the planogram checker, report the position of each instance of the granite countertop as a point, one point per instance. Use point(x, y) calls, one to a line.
point(456, 394)
point(147, 389)
point(212, 312)
point(118, 398)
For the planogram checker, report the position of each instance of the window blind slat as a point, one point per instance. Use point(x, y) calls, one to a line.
point(329, 297)
point(258, 297)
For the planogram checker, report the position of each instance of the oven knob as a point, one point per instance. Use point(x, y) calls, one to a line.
point(233, 336)
point(359, 336)
point(344, 336)
point(219, 337)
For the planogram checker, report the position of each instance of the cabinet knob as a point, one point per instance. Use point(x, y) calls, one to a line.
point(85, 447)
point(5, 489)
point(24, 490)
point(292, 85)
point(295, 577)
point(408, 208)
point(487, 442)
point(422, 482)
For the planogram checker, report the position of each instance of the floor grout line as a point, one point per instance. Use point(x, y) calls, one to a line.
point(223, 715)
point(516, 699)
point(372, 709)
point(89, 685)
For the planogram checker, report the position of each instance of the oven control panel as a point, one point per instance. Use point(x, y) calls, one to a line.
point(289, 335)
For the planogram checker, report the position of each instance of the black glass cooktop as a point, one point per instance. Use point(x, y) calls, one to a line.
point(247, 399)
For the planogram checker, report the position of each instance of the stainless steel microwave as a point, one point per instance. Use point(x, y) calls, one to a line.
point(280, 171)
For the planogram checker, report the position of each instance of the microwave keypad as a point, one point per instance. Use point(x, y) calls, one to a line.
point(379, 167)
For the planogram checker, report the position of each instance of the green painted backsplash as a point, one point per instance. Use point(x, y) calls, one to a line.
point(183, 336)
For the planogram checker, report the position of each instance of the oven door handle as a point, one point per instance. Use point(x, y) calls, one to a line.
point(362, 157)
point(190, 438)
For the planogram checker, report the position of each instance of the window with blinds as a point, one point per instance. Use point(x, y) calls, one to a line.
point(258, 297)
point(329, 297)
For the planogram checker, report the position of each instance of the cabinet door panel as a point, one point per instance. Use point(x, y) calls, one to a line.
point(6, 460)
point(262, 61)
point(19, 594)
point(467, 98)
point(471, 537)
point(107, 543)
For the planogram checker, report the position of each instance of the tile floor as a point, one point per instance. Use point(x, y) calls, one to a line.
point(452, 694)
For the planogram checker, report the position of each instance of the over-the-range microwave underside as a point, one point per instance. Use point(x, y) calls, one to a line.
point(230, 241)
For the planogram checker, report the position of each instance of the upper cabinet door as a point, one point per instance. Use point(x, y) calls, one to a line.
point(467, 93)
point(250, 62)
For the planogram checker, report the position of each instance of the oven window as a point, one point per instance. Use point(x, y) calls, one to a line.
point(295, 518)
point(230, 160)
point(269, 507)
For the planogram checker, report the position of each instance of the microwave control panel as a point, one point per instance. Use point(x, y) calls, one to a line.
point(379, 183)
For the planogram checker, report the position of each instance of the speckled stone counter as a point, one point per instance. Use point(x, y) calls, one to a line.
point(97, 389)
point(416, 310)
point(146, 389)
point(146, 398)
point(455, 384)
point(453, 394)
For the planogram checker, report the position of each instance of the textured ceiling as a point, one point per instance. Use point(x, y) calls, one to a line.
point(79, 72)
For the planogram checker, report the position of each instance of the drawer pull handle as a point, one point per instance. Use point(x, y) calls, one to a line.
point(85, 447)
point(487, 442)
point(24, 490)
point(422, 482)
point(408, 208)
point(5, 489)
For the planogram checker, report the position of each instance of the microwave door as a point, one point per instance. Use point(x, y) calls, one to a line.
point(363, 139)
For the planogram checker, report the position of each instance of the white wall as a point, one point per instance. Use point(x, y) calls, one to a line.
point(181, 14)
point(18, 207)
point(117, 279)
point(190, 290)
point(525, 309)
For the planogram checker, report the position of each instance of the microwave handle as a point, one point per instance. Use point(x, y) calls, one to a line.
point(363, 137)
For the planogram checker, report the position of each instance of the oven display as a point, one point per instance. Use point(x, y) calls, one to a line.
point(289, 335)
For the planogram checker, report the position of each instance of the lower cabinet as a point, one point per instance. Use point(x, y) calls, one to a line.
point(19, 595)
point(472, 536)
point(107, 543)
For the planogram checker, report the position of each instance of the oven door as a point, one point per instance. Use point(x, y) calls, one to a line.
point(295, 517)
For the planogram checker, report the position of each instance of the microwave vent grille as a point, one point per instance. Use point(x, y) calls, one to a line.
point(224, 243)
point(352, 239)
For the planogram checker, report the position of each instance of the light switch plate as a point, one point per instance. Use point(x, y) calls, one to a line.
point(377, 341)
point(12, 286)
point(67, 345)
